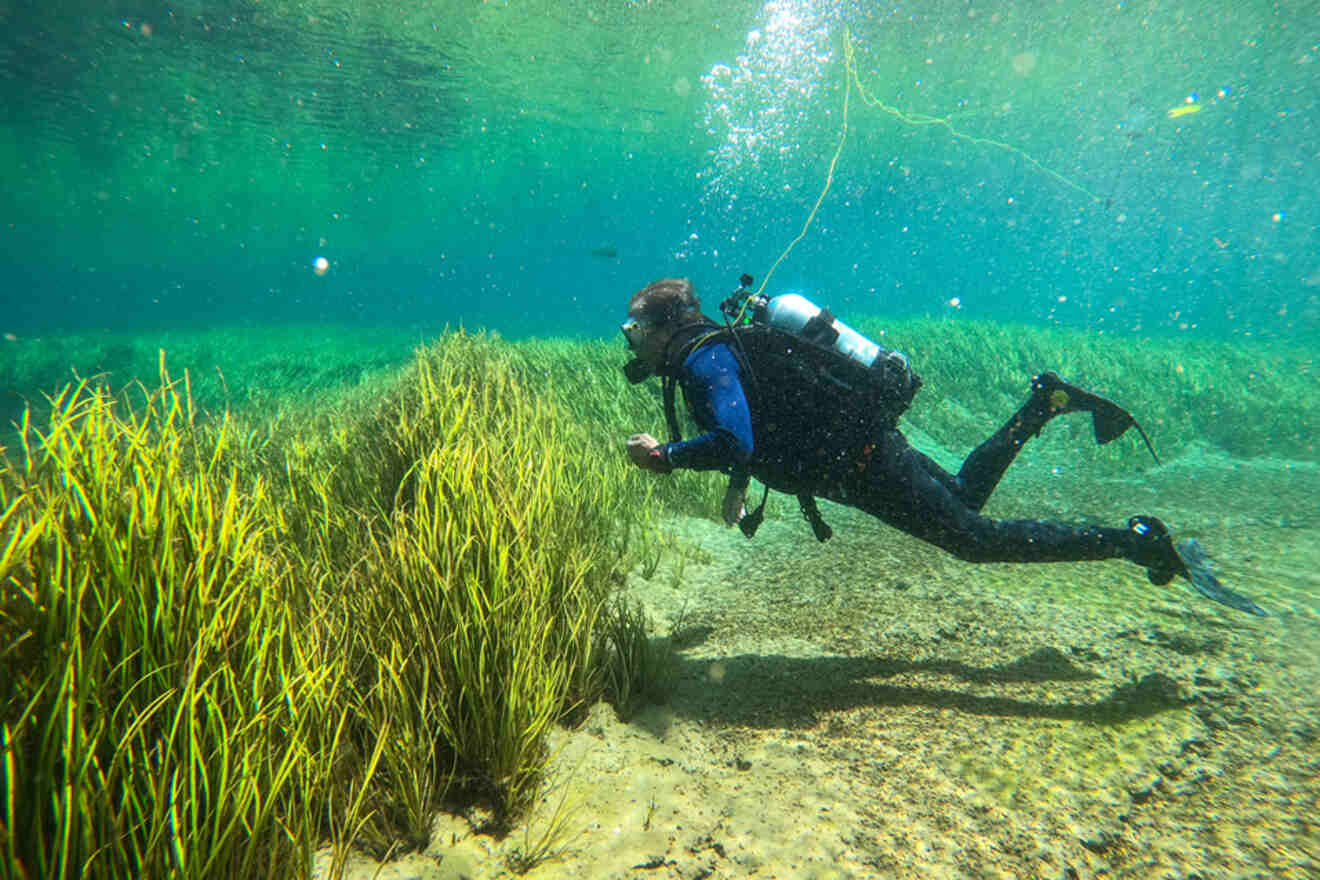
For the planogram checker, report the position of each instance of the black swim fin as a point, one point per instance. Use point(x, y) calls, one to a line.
point(1205, 582)
point(1109, 420)
point(1164, 560)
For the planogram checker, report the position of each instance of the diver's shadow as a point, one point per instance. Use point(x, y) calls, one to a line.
point(791, 692)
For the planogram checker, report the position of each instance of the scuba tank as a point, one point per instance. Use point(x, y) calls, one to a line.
point(817, 380)
point(800, 316)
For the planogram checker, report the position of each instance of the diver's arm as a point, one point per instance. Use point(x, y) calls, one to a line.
point(714, 391)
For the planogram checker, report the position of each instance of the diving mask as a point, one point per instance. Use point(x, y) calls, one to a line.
point(634, 331)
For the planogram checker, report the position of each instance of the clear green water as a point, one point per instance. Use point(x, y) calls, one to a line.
point(522, 165)
point(1141, 173)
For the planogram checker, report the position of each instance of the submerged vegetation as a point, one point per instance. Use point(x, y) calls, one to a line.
point(231, 635)
point(1249, 399)
point(226, 640)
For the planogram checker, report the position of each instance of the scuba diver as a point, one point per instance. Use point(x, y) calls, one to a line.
point(787, 394)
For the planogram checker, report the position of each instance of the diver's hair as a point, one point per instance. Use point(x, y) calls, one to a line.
point(669, 301)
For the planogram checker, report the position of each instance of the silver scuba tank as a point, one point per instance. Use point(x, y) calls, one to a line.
point(797, 314)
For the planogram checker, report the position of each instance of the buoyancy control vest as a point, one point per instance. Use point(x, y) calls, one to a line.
point(818, 392)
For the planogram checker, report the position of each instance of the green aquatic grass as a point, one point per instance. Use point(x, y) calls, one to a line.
point(226, 641)
point(156, 714)
point(586, 377)
point(642, 670)
point(1250, 399)
point(496, 564)
point(229, 367)
point(317, 617)
point(500, 526)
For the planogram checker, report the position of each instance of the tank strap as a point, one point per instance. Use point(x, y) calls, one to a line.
point(807, 503)
point(820, 329)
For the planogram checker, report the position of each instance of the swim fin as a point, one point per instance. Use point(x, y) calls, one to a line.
point(1205, 582)
point(1164, 560)
point(1109, 420)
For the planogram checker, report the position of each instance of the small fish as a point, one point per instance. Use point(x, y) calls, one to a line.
point(605, 252)
point(1136, 122)
point(1184, 110)
point(1207, 584)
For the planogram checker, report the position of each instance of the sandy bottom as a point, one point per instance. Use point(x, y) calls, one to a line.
point(871, 707)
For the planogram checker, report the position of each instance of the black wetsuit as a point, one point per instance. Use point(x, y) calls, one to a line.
point(882, 474)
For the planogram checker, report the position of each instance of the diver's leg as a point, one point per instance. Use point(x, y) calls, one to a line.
point(985, 466)
point(897, 488)
point(943, 477)
point(1050, 397)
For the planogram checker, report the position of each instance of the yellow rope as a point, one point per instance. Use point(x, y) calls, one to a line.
point(914, 119)
point(829, 175)
point(917, 119)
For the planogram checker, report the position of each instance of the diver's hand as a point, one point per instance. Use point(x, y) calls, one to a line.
point(735, 506)
point(647, 453)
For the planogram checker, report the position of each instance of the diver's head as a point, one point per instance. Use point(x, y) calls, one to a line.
point(654, 313)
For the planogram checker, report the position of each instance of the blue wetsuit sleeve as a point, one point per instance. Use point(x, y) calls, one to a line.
point(712, 386)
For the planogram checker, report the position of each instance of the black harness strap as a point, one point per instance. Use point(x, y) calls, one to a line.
point(810, 512)
point(819, 528)
point(686, 338)
point(820, 329)
point(668, 384)
point(752, 521)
